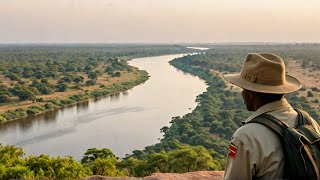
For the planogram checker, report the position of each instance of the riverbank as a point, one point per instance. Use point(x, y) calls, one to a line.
point(57, 103)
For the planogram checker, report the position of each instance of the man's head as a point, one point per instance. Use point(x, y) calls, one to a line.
point(254, 100)
point(264, 79)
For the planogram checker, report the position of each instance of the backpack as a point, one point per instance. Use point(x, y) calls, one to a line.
point(301, 145)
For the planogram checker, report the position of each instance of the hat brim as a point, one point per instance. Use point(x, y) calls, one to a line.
point(291, 85)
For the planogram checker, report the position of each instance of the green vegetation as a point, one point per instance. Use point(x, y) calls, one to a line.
point(14, 166)
point(86, 71)
point(196, 141)
point(221, 109)
point(101, 162)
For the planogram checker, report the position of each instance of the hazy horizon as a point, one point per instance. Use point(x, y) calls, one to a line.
point(160, 22)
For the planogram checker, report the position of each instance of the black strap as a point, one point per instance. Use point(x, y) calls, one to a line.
point(303, 117)
point(277, 125)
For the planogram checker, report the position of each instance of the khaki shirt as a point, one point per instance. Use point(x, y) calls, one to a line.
point(258, 149)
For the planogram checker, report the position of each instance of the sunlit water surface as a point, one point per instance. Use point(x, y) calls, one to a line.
point(123, 122)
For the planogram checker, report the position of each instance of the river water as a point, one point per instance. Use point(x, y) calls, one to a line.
point(123, 122)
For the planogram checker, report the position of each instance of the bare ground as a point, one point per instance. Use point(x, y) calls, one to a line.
point(198, 175)
point(309, 78)
point(102, 80)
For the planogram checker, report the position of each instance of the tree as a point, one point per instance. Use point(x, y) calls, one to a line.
point(13, 77)
point(18, 172)
point(10, 155)
point(4, 98)
point(45, 81)
point(90, 82)
point(62, 87)
point(78, 79)
point(204, 159)
point(158, 162)
point(93, 153)
point(164, 129)
point(101, 162)
point(104, 167)
point(309, 94)
point(117, 74)
point(182, 160)
point(130, 166)
point(93, 75)
point(26, 94)
point(67, 79)
point(68, 168)
point(45, 89)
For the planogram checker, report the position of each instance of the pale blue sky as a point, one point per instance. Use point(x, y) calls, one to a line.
point(160, 21)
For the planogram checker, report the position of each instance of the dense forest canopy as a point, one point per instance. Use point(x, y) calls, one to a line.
point(196, 141)
point(221, 109)
point(52, 76)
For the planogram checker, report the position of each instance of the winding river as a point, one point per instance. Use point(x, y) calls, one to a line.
point(123, 122)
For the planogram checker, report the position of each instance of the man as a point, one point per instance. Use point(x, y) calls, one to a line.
point(256, 151)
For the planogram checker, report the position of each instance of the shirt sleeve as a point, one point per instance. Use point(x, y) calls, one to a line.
point(240, 162)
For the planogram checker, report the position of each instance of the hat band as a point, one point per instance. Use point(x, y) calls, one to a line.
point(259, 80)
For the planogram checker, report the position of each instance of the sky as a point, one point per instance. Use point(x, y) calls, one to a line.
point(159, 21)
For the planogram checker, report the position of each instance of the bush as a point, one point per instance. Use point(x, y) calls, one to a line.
point(48, 106)
point(32, 111)
point(309, 94)
point(40, 100)
point(35, 109)
point(2, 120)
point(18, 172)
point(77, 86)
point(315, 89)
point(62, 87)
point(302, 88)
point(90, 82)
point(4, 98)
point(13, 77)
point(67, 101)
point(18, 113)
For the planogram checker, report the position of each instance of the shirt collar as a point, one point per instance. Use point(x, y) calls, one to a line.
point(273, 106)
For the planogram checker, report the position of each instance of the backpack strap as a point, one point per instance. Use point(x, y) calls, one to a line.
point(303, 117)
point(271, 122)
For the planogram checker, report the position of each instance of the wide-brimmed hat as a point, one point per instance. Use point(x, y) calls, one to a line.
point(264, 73)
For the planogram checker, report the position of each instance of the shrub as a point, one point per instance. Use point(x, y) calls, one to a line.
point(90, 82)
point(2, 120)
point(309, 94)
point(48, 106)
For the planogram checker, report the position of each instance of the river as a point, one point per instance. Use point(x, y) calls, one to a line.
point(123, 122)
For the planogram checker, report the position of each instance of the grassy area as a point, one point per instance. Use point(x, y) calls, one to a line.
point(61, 99)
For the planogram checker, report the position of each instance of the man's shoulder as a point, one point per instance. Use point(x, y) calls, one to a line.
point(254, 131)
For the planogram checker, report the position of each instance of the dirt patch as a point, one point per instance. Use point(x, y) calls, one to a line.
point(198, 175)
point(102, 80)
point(228, 84)
point(309, 77)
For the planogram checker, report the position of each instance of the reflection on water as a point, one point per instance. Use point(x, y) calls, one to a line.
point(122, 122)
point(83, 106)
point(115, 97)
point(125, 93)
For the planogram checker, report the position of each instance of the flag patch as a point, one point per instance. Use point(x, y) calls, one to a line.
point(232, 151)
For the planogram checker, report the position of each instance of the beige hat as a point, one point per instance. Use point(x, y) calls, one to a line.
point(264, 73)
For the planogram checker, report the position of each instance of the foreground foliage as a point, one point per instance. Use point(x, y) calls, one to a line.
point(13, 164)
point(196, 141)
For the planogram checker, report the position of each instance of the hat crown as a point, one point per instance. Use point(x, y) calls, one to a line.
point(264, 69)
